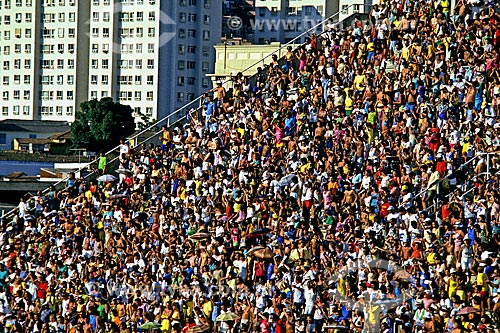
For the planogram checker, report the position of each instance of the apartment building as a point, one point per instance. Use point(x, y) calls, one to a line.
point(40, 46)
point(152, 55)
point(283, 20)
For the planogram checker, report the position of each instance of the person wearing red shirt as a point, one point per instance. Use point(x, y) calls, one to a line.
point(280, 324)
point(42, 286)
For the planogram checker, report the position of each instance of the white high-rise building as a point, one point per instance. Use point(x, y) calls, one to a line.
point(283, 20)
point(152, 55)
point(40, 48)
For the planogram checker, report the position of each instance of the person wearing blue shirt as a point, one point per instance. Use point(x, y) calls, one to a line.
point(209, 111)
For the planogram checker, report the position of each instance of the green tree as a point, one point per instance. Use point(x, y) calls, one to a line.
point(100, 124)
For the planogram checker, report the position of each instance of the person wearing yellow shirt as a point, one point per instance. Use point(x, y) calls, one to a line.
point(360, 81)
point(349, 102)
point(452, 284)
point(431, 257)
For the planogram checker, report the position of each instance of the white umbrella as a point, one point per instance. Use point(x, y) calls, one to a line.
point(106, 178)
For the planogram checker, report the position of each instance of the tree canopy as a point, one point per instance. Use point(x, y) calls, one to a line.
point(100, 124)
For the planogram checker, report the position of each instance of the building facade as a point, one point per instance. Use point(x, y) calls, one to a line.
point(283, 20)
point(152, 55)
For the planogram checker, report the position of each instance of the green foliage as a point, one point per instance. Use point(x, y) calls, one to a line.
point(100, 124)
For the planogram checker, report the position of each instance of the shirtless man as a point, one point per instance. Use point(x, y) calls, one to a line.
point(350, 197)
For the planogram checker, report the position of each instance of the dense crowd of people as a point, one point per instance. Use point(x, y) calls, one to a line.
point(349, 187)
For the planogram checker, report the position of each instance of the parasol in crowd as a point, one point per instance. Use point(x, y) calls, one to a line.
point(200, 236)
point(106, 178)
point(228, 316)
point(467, 310)
point(261, 252)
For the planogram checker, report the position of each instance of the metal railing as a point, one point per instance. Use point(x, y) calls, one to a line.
point(179, 115)
point(440, 181)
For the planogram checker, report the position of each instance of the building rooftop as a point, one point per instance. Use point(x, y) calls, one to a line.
point(34, 126)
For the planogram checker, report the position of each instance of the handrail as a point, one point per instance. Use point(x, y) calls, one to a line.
point(440, 180)
point(199, 98)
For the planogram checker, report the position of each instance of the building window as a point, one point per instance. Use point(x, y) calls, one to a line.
point(95, 48)
point(15, 110)
point(182, 17)
point(139, 16)
point(138, 63)
point(207, 3)
point(191, 33)
point(60, 64)
point(17, 79)
point(149, 111)
point(71, 79)
point(27, 79)
point(26, 110)
point(205, 66)
point(60, 79)
point(69, 111)
point(151, 16)
point(206, 51)
point(151, 48)
point(17, 94)
point(93, 79)
point(105, 16)
point(191, 49)
point(5, 111)
point(149, 79)
point(27, 94)
point(71, 63)
point(138, 48)
point(151, 32)
point(180, 97)
point(138, 79)
point(69, 95)
point(104, 79)
point(206, 19)
point(59, 95)
point(193, 2)
point(3, 136)
point(192, 17)
point(95, 63)
point(206, 35)
point(180, 65)
point(6, 65)
point(95, 16)
point(180, 81)
point(190, 81)
point(191, 65)
point(59, 110)
point(137, 95)
point(28, 17)
point(71, 32)
point(183, 2)
point(182, 33)
point(93, 94)
point(5, 95)
point(151, 63)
